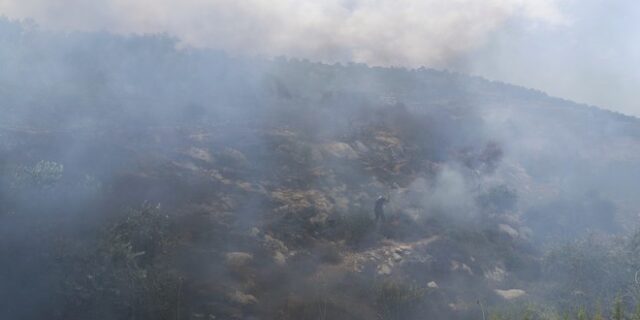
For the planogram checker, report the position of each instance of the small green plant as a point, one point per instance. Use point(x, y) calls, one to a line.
point(636, 312)
point(126, 269)
point(582, 314)
point(598, 314)
point(618, 310)
point(496, 316)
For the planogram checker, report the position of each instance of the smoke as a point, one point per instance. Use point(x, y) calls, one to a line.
point(449, 194)
point(578, 50)
point(380, 32)
point(272, 166)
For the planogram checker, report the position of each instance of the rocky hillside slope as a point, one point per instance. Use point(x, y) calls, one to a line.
point(139, 181)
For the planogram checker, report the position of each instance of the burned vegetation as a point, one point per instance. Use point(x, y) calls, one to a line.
point(207, 187)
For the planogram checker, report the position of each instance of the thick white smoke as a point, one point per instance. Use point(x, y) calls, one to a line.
point(377, 32)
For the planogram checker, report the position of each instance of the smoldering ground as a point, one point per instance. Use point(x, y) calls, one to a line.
point(144, 181)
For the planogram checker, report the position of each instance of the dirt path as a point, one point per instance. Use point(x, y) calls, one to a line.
point(386, 256)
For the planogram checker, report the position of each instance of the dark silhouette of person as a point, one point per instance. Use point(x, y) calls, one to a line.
point(379, 208)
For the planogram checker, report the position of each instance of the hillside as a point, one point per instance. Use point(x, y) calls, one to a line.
point(141, 181)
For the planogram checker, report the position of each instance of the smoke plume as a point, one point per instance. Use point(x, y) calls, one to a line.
point(379, 32)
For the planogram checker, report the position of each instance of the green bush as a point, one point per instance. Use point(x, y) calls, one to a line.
point(127, 270)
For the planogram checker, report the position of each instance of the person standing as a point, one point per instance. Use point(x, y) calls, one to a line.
point(379, 208)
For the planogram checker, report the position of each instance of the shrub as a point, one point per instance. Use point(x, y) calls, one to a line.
point(618, 310)
point(582, 314)
point(398, 300)
point(44, 174)
point(587, 271)
point(126, 271)
point(355, 227)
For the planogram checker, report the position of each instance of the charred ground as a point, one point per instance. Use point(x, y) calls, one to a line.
point(139, 181)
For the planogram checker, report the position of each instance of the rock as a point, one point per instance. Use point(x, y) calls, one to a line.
point(510, 294)
point(387, 139)
point(200, 154)
point(238, 259)
point(279, 258)
point(578, 293)
point(320, 218)
point(242, 298)
point(457, 266)
point(458, 306)
point(202, 316)
point(340, 150)
point(432, 285)
point(497, 274)
point(384, 269)
point(509, 230)
point(397, 257)
point(360, 147)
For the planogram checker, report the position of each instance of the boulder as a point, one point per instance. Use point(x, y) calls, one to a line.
point(340, 150)
point(238, 259)
point(510, 294)
point(242, 298)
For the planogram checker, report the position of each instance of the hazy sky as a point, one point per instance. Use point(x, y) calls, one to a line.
point(584, 50)
point(595, 58)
